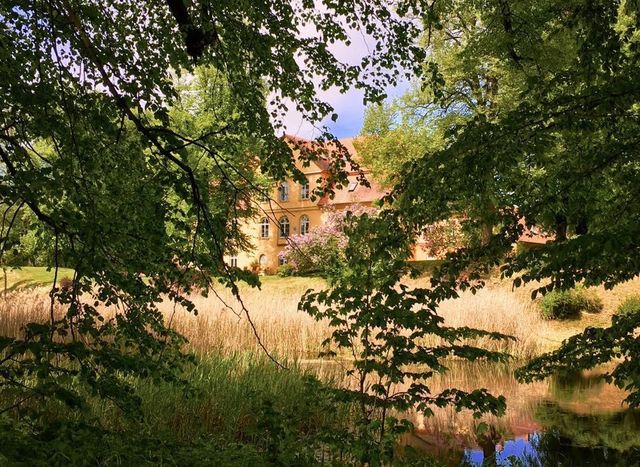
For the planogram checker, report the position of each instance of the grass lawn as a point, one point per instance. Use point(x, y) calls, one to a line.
point(30, 276)
point(291, 283)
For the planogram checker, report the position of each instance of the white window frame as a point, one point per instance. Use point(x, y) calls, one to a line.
point(264, 227)
point(305, 224)
point(284, 221)
point(283, 191)
point(305, 191)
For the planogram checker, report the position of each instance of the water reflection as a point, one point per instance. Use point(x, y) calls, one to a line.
point(574, 419)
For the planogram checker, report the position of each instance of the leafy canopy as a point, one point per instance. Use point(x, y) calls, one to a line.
point(393, 334)
point(540, 124)
point(140, 177)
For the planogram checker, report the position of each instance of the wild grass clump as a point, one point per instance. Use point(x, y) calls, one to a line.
point(631, 304)
point(22, 307)
point(292, 334)
point(222, 328)
point(498, 310)
point(569, 304)
point(229, 394)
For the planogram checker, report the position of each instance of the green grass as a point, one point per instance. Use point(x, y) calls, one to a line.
point(239, 410)
point(292, 283)
point(30, 276)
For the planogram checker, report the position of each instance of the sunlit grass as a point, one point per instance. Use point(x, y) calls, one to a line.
point(288, 332)
point(221, 326)
point(30, 276)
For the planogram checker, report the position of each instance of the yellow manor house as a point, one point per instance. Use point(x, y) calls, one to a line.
point(292, 211)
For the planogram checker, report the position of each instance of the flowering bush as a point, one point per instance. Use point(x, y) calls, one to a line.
point(321, 251)
point(442, 237)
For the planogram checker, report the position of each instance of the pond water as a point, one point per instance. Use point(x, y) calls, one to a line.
point(571, 420)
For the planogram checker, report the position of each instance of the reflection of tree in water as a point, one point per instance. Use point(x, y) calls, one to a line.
point(572, 439)
point(575, 385)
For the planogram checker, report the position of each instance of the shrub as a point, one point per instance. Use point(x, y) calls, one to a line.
point(591, 301)
point(285, 270)
point(568, 304)
point(630, 305)
point(443, 237)
point(321, 251)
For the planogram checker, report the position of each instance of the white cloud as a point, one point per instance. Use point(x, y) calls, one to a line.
point(349, 106)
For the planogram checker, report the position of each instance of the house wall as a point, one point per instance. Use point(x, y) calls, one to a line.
point(294, 208)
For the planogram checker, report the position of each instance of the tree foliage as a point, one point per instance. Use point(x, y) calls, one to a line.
point(139, 178)
point(555, 146)
point(386, 327)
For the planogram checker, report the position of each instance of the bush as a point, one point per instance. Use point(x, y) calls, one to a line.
point(568, 304)
point(285, 270)
point(321, 251)
point(591, 301)
point(630, 305)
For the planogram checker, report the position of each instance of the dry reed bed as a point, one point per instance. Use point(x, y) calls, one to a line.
point(221, 326)
point(22, 307)
point(287, 332)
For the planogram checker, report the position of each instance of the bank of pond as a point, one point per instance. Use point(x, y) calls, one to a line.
point(242, 410)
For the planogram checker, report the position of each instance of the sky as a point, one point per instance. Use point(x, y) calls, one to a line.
point(348, 106)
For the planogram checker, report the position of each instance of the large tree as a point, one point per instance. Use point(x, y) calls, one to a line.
point(559, 150)
point(140, 186)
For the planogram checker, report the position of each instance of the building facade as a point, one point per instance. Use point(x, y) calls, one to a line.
point(290, 210)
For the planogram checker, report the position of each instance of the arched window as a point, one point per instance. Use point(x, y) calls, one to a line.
point(284, 227)
point(304, 225)
point(263, 261)
point(283, 191)
point(304, 191)
point(264, 227)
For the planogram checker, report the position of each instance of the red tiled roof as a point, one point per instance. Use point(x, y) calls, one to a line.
point(358, 192)
point(533, 235)
point(348, 143)
point(296, 138)
point(321, 162)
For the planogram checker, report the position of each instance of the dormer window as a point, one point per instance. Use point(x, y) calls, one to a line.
point(283, 191)
point(304, 191)
point(353, 186)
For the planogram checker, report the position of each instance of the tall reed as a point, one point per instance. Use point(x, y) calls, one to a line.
point(222, 327)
